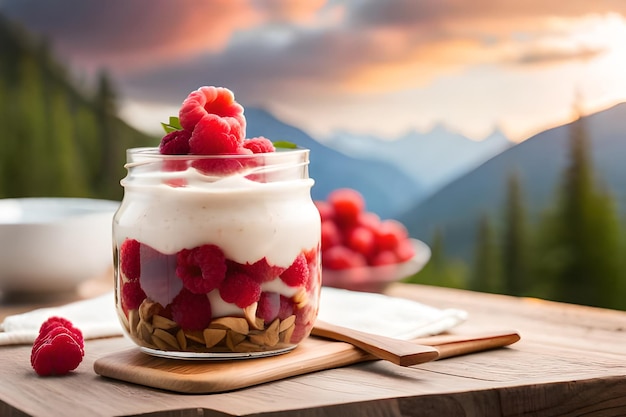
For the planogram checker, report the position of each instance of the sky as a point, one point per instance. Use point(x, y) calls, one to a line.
point(376, 67)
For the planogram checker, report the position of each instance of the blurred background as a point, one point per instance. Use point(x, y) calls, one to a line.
point(494, 130)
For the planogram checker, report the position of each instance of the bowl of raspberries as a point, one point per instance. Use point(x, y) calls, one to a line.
point(362, 252)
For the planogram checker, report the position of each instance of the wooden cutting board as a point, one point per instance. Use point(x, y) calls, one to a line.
point(313, 354)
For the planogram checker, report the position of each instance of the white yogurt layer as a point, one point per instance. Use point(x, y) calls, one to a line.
point(248, 220)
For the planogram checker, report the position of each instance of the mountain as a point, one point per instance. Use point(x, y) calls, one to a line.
point(433, 158)
point(387, 190)
point(539, 161)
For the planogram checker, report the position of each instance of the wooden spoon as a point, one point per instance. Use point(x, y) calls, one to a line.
point(400, 352)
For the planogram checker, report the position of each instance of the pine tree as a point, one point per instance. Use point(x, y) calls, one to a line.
point(441, 270)
point(580, 238)
point(486, 272)
point(515, 275)
point(108, 166)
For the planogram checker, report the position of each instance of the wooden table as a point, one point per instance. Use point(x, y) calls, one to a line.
point(571, 361)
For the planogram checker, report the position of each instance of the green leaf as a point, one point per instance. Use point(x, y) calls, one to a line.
point(173, 125)
point(284, 144)
point(175, 122)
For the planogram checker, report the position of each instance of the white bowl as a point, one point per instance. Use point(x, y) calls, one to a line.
point(376, 278)
point(51, 245)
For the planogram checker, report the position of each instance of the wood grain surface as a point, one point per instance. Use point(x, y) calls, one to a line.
point(314, 354)
point(570, 361)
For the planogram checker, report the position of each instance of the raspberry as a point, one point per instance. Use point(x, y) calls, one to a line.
point(341, 257)
point(369, 220)
point(361, 240)
point(312, 259)
point(175, 143)
point(211, 100)
point(240, 289)
point(326, 210)
point(223, 166)
point(58, 349)
point(331, 235)
point(214, 135)
point(130, 262)
point(132, 296)
point(57, 355)
point(347, 204)
point(259, 145)
point(269, 306)
point(298, 273)
point(305, 318)
point(286, 307)
point(385, 257)
point(261, 271)
point(60, 322)
point(389, 234)
point(202, 269)
point(191, 311)
point(404, 251)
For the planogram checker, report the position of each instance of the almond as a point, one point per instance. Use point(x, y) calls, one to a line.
point(164, 323)
point(287, 322)
point(237, 324)
point(148, 308)
point(213, 336)
point(160, 335)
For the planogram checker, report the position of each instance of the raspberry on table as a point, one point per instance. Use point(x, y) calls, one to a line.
point(61, 322)
point(298, 272)
point(191, 311)
point(202, 269)
point(259, 145)
point(58, 348)
point(130, 259)
point(240, 289)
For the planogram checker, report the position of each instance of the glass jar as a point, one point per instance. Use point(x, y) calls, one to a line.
point(217, 256)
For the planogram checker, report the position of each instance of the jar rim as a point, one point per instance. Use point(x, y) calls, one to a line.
point(148, 152)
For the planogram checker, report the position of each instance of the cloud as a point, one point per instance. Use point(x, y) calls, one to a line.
point(120, 33)
point(305, 50)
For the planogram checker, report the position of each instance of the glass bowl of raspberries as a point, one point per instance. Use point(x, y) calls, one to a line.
point(360, 251)
point(52, 245)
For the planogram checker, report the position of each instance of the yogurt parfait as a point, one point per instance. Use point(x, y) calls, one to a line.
point(217, 239)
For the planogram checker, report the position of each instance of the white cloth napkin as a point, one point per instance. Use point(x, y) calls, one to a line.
point(384, 315)
point(95, 317)
point(374, 313)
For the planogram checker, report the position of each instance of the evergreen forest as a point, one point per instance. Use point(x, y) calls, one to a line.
point(58, 140)
point(573, 252)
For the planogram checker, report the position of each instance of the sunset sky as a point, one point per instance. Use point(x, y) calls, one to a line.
point(367, 66)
